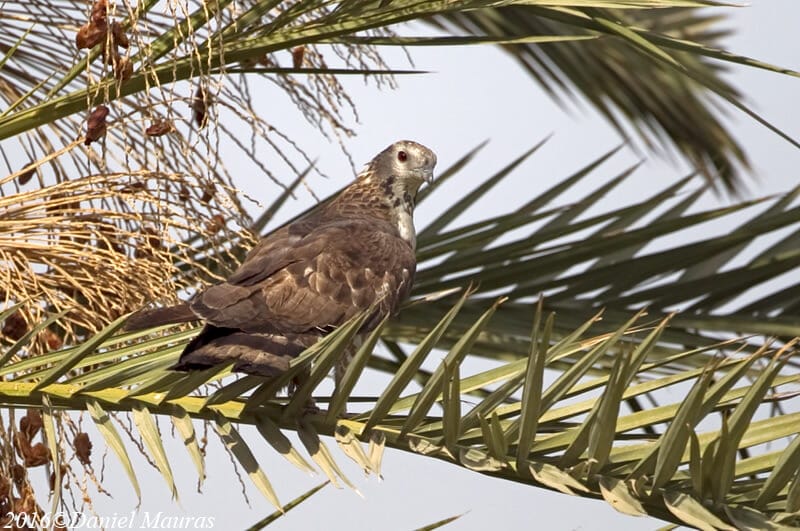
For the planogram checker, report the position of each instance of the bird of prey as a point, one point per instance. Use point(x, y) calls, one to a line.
point(352, 254)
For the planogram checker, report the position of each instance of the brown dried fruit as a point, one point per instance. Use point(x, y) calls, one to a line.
point(15, 326)
point(99, 12)
point(153, 238)
point(134, 187)
point(123, 68)
point(18, 474)
point(216, 223)
point(96, 124)
point(90, 35)
point(298, 55)
point(52, 340)
point(183, 193)
point(209, 191)
point(159, 128)
point(94, 32)
point(31, 424)
point(37, 456)
point(26, 504)
point(83, 448)
point(22, 444)
point(63, 469)
point(200, 107)
point(118, 36)
point(24, 177)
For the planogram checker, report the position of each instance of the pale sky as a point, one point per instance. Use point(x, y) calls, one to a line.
point(475, 94)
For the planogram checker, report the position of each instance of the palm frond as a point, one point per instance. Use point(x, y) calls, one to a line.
point(679, 461)
point(660, 70)
point(585, 257)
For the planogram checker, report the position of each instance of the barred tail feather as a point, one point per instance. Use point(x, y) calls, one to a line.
point(252, 353)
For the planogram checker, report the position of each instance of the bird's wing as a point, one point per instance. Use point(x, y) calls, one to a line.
point(313, 281)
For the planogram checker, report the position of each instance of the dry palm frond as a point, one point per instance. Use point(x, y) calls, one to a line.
point(104, 245)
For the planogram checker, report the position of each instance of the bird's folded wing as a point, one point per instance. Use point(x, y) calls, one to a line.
point(318, 285)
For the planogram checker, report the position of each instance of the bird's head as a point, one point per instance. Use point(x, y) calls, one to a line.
point(401, 168)
point(387, 187)
point(407, 160)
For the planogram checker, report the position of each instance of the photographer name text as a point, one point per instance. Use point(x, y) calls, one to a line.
point(132, 520)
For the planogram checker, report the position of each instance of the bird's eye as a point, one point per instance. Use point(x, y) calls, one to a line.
point(402, 156)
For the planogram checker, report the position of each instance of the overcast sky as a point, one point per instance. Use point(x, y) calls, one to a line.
point(476, 94)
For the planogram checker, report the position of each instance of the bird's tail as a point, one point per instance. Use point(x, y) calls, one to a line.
point(144, 319)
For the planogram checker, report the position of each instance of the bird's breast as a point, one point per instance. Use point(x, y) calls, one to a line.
point(404, 222)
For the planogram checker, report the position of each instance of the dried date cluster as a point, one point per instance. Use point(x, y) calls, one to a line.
point(17, 499)
point(97, 30)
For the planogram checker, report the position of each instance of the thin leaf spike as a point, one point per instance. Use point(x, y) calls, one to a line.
point(239, 449)
point(319, 452)
point(499, 438)
point(788, 465)
point(10, 53)
point(618, 495)
point(18, 345)
point(498, 397)
point(693, 513)
point(672, 444)
point(740, 419)
point(152, 439)
point(793, 495)
point(570, 377)
point(266, 521)
point(433, 388)
point(354, 369)
point(183, 423)
point(49, 427)
point(106, 428)
point(333, 349)
point(451, 404)
point(601, 435)
point(467, 200)
point(234, 389)
point(532, 388)
point(449, 172)
point(279, 201)
point(696, 466)
point(377, 444)
point(556, 478)
point(410, 366)
point(351, 447)
point(270, 431)
point(79, 353)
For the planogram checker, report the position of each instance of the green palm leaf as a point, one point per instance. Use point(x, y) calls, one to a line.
point(582, 442)
point(630, 71)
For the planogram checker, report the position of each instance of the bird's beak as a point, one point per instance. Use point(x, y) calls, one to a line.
point(427, 175)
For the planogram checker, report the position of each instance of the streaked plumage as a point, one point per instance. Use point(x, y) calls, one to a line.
point(312, 275)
